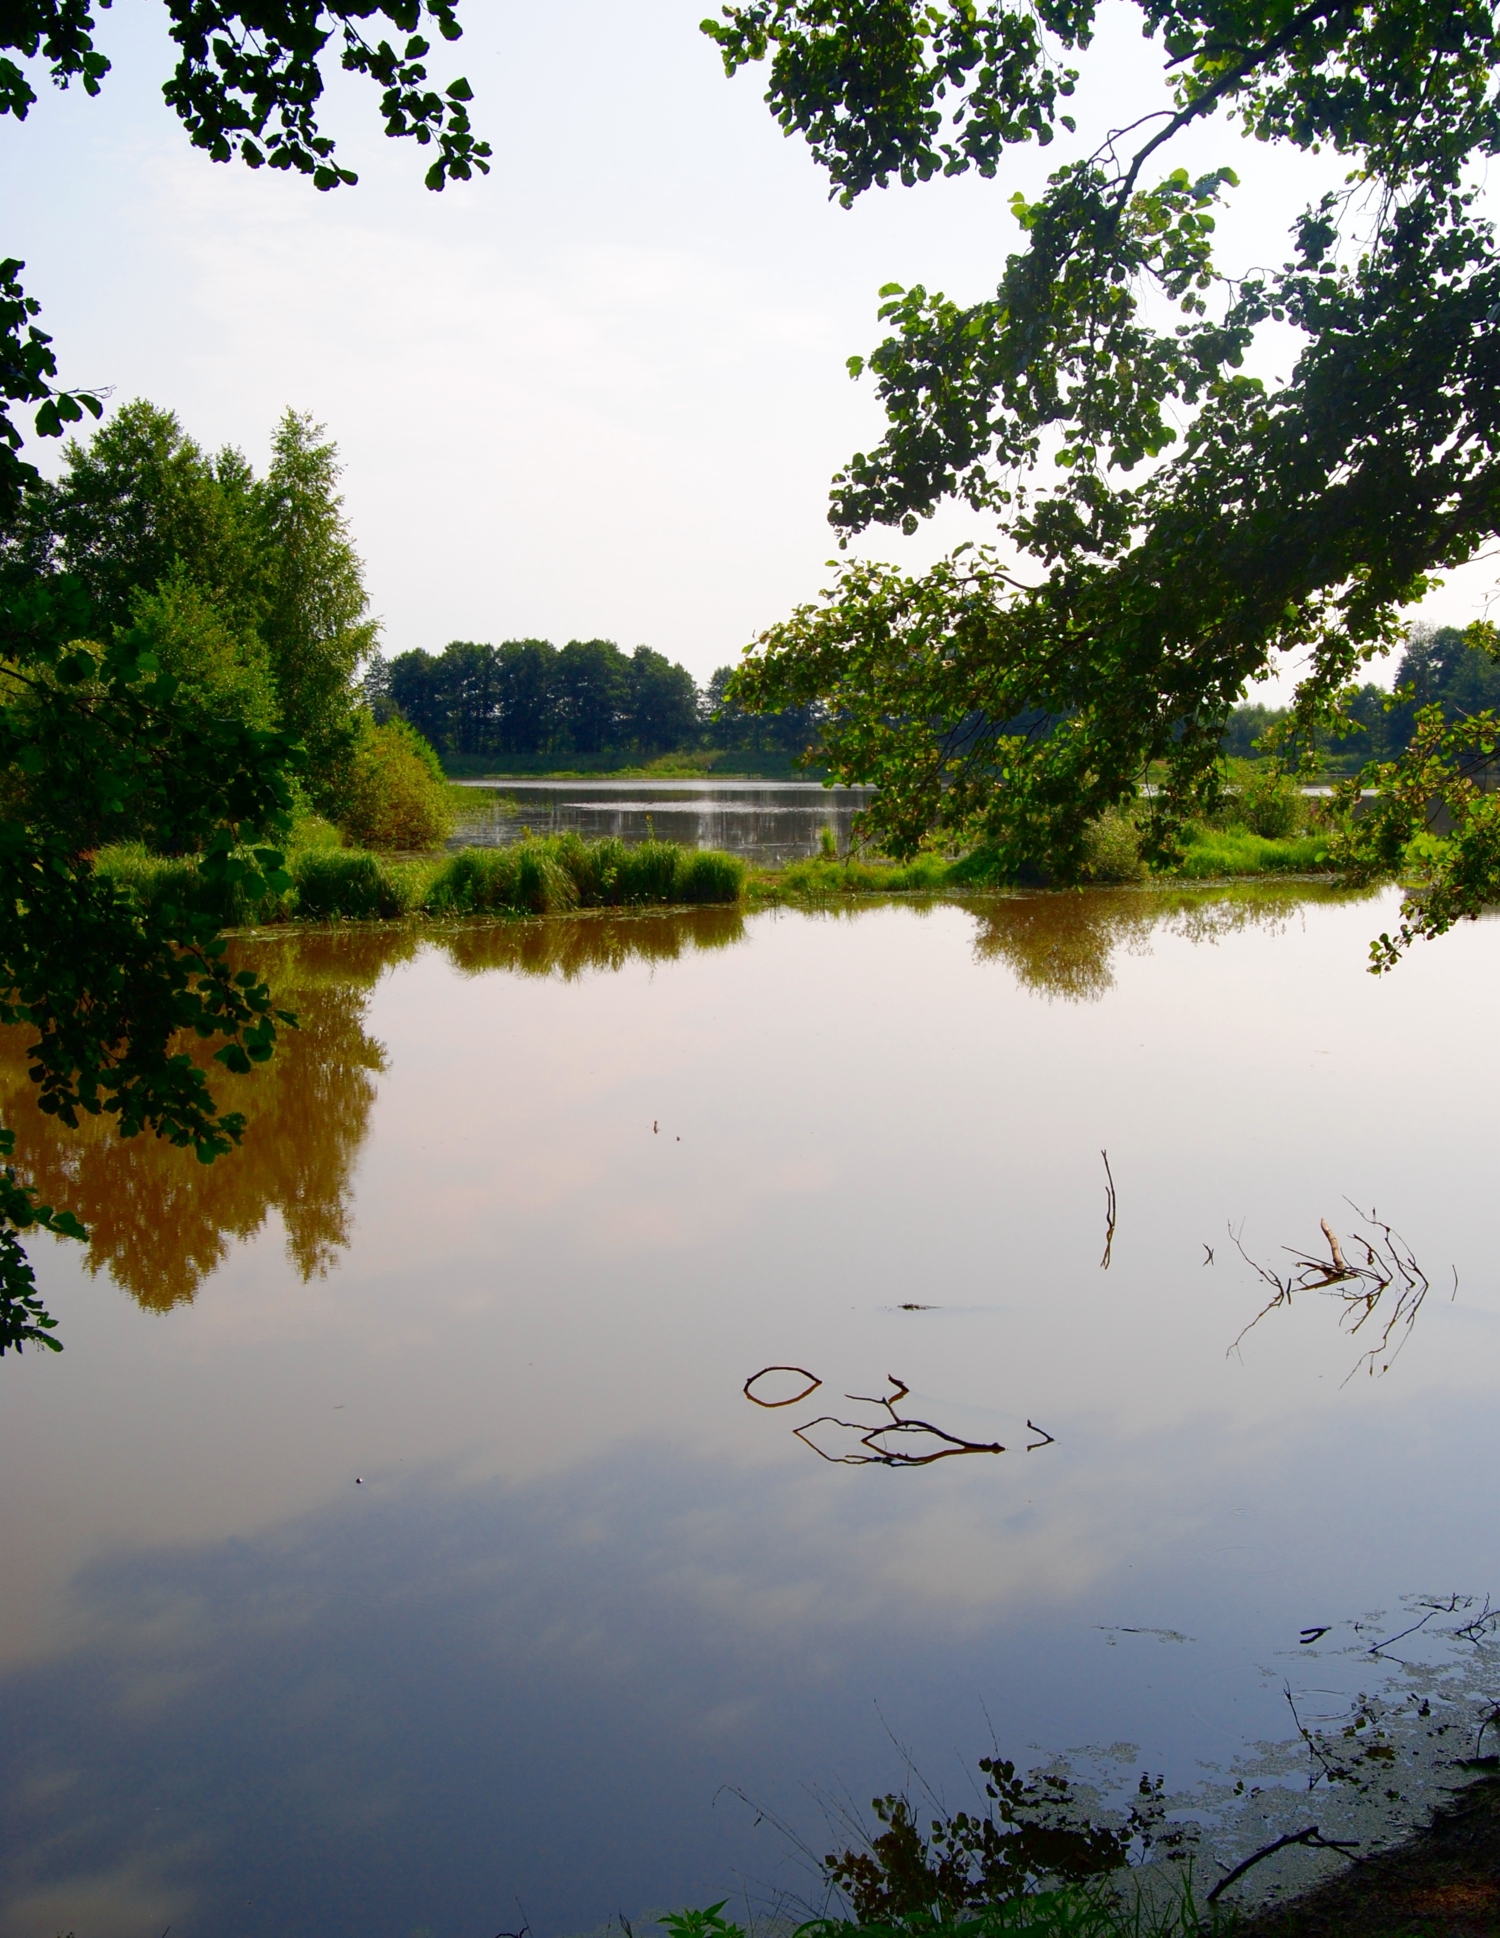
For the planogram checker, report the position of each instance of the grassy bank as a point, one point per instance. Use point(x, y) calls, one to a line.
point(554, 876)
point(559, 874)
point(1213, 854)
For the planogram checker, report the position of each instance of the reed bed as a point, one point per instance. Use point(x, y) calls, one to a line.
point(558, 875)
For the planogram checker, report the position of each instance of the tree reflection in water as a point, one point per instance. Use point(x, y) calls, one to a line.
point(160, 1223)
point(1062, 943)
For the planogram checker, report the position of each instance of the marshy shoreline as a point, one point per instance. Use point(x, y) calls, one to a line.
point(568, 874)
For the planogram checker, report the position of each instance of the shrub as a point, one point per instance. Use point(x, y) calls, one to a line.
point(1270, 805)
point(1112, 849)
point(396, 794)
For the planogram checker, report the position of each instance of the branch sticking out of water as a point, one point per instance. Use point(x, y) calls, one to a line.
point(1388, 1267)
point(1109, 1213)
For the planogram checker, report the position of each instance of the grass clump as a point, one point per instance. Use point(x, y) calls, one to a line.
point(821, 878)
point(556, 876)
point(564, 872)
point(1215, 852)
point(345, 883)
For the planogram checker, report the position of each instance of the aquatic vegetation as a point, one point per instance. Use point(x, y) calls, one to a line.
point(823, 877)
point(552, 876)
point(565, 872)
point(1238, 851)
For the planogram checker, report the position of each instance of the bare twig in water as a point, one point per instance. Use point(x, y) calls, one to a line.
point(891, 1442)
point(1311, 1836)
point(1388, 1267)
point(813, 1383)
point(873, 1439)
point(1109, 1213)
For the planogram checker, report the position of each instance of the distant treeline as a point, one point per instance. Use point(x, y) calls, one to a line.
point(1438, 665)
point(528, 697)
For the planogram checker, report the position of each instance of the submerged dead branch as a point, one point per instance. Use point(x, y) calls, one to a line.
point(1388, 1268)
point(1109, 1213)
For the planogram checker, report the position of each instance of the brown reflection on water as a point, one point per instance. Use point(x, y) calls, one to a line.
point(577, 946)
point(1062, 944)
point(160, 1223)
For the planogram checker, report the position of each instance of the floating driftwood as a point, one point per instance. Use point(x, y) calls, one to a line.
point(1388, 1267)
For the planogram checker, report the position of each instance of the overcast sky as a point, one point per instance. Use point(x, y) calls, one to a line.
point(600, 392)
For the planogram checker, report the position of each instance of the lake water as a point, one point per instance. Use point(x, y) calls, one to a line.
point(393, 1549)
point(765, 821)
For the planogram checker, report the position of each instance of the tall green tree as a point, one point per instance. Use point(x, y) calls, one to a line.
point(593, 685)
point(663, 708)
point(1169, 527)
point(315, 623)
point(96, 736)
point(140, 502)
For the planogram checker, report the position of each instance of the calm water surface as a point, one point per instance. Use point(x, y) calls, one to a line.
point(393, 1549)
point(765, 821)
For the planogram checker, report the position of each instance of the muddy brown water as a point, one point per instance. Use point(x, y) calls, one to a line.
point(393, 1548)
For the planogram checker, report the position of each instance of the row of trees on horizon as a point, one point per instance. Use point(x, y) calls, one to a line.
point(528, 697)
point(1437, 664)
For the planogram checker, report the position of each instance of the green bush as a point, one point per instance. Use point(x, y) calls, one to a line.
point(1270, 805)
point(1112, 849)
point(395, 793)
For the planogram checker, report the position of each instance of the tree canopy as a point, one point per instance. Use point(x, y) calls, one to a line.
point(1169, 526)
point(101, 735)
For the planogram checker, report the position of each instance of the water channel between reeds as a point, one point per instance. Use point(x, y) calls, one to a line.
point(394, 1549)
point(764, 822)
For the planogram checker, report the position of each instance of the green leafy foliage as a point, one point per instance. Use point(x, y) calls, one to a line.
point(525, 697)
point(92, 743)
point(132, 701)
point(1171, 527)
point(395, 794)
point(245, 84)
